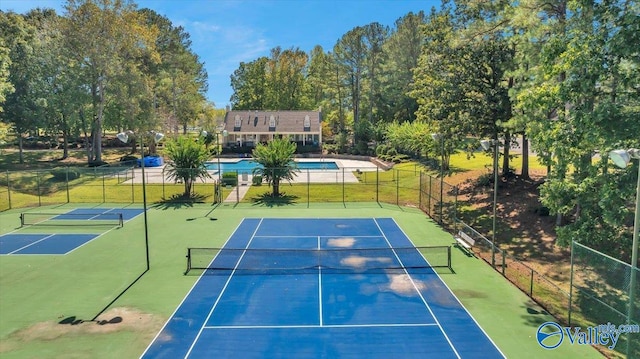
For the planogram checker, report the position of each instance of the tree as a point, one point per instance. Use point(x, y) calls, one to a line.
point(5, 61)
point(350, 54)
point(187, 163)
point(402, 52)
point(272, 83)
point(101, 34)
point(20, 109)
point(248, 83)
point(276, 158)
point(582, 99)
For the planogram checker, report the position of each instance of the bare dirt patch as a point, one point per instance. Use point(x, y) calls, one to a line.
point(114, 320)
point(524, 230)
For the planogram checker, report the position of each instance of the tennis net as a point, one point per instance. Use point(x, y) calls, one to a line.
point(113, 219)
point(331, 259)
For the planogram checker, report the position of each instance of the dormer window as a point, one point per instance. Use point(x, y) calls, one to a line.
point(238, 122)
point(307, 122)
point(272, 123)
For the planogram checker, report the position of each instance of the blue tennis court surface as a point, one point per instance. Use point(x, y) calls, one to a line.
point(19, 243)
point(61, 243)
point(320, 313)
point(97, 214)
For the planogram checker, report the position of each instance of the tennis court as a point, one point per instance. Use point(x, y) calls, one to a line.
point(49, 241)
point(320, 288)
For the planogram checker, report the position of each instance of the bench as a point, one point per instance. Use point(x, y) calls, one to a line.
point(464, 240)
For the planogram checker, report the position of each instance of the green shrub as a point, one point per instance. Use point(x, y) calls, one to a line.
point(400, 158)
point(98, 163)
point(257, 180)
point(60, 174)
point(128, 158)
point(230, 179)
point(381, 150)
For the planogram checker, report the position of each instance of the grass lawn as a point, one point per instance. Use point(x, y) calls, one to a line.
point(43, 296)
point(47, 303)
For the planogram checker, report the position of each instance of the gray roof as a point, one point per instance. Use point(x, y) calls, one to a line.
point(252, 121)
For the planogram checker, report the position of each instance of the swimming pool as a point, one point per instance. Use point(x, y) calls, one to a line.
point(244, 166)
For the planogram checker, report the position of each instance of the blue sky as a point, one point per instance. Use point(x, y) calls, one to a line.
point(225, 33)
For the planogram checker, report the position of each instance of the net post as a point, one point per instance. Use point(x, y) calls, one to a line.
point(449, 258)
point(21, 219)
point(188, 261)
point(121, 219)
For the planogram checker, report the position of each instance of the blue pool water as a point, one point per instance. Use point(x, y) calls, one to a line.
point(249, 165)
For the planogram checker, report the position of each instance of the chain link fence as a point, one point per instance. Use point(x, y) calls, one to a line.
point(123, 184)
point(538, 287)
point(600, 285)
point(605, 290)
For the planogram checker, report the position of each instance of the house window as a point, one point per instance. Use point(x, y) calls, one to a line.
point(307, 122)
point(238, 121)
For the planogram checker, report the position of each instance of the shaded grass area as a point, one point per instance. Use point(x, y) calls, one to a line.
point(39, 290)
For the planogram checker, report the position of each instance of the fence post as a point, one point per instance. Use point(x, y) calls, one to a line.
point(133, 192)
point(308, 187)
point(38, 181)
point(493, 255)
point(429, 196)
point(504, 262)
point(343, 186)
point(9, 189)
point(377, 183)
point(163, 194)
point(531, 284)
point(66, 174)
point(420, 191)
point(571, 283)
point(104, 190)
point(397, 175)
point(455, 201)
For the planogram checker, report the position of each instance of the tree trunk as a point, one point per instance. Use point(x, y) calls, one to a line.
point(276, 188)
point(525, 157)
point(65, 144)
point(505, 157)
point(20, 149)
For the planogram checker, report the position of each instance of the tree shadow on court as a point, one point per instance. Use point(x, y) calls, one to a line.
point(267, 200)
point(179, 201)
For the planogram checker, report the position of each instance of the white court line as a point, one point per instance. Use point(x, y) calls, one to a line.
point(390, 325)
point(30, 244)
point(454, 296)
point(99, 214)
point(320, 285)
point(418, 291)
point(188, 294)
point(332, 236)
point(195, 340)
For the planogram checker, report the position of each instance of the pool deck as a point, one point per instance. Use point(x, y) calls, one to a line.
point(344, 173)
